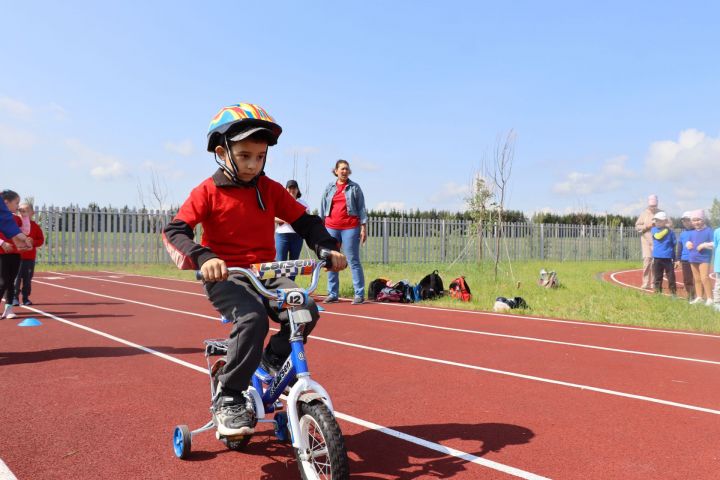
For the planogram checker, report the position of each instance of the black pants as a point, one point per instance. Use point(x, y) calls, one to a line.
point(238, 301)
point(688, 279)
point(23, 281)
point(9, 265)
point(664, 266)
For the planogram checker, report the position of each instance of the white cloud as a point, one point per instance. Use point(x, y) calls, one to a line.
point(183, 148)
point(302, 151)
point(16, 139)
point(101, 166)
point(58, 111)
point(693, 155)
point(164, 170)
point(365, 166)
point(451, 191)
point(15, 108)
point(389, 205)
point(612, 176)
point(111, 170)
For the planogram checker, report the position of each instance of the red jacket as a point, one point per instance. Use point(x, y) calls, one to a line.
point(38, 239)
point(14, 250)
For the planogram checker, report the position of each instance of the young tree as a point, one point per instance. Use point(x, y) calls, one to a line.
point(477, 207)
point(715, 214)
point(503, 157)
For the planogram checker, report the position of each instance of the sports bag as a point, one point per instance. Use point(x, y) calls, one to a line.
point(503, 304)
point(460, 290)
point(431, 286)
point(375, 286)
point(548, 279)
point(390, 294)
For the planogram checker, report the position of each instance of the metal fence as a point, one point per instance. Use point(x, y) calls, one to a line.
point(82, 236)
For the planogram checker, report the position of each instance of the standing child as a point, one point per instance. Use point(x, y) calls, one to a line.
point(23, 282)
point(237, 208)
point(683, 256)
point(9, 256)
point(716, 248)
point(700, 246)
point(663, 253)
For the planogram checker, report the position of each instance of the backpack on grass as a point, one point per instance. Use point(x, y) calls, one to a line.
point(430, 286)
point(401, 292)
point(460, 290)
point(503, 304)
point(375, 286)
point(548, 279)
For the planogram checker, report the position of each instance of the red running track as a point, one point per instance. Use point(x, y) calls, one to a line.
point(420, 392)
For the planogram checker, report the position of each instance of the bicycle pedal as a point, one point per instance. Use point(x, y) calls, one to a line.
point(278, 405)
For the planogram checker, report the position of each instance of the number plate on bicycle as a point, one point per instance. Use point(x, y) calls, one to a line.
point(302, 316)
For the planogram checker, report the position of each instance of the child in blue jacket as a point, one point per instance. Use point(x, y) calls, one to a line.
point(663, 253)
point(683, 254)
point(716, 265)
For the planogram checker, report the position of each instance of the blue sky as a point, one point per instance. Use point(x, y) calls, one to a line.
point(610, 101)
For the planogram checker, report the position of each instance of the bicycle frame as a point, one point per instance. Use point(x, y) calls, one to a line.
point(295, 366)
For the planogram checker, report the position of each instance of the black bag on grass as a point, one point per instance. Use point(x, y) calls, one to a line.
point(431, 286)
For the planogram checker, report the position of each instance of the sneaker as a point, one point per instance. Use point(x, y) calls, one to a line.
point(15, 303)
point(696, 301)
point(709, 302)
point(358, 301)
point(8, 312)
point(27, 302)
point(234, 415)
point(331, 299)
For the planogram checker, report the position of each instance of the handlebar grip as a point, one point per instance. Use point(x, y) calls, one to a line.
point(325, 255)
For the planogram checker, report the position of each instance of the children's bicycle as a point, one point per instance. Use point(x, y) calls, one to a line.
point(309, 423)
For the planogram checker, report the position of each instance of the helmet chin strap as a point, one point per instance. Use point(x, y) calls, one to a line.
point(233, 174)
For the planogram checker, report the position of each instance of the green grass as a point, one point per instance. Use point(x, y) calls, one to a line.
point(582, 294)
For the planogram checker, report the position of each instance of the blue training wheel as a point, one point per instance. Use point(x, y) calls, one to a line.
point(182, 441)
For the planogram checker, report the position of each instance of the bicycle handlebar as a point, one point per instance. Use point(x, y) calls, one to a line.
point(285, 268)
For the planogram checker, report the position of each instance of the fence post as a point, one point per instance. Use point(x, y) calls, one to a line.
point(542, 241)
point(385, 241)
point(622, 244)
point(442, 240)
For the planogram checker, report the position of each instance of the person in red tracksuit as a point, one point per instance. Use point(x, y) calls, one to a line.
point(23, 281)
point(9, 256)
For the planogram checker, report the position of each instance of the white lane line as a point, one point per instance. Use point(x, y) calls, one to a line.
point(120, 340)
point(151, 277)
point(459, 330)
point(529, 339)
point(126, 300)
point(440, 361)
point(615, 279)
point(348, 418)
point(5, 472)
point(152, 287)
point(466, 312)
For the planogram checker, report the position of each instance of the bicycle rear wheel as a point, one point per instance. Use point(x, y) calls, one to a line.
point(326, 457)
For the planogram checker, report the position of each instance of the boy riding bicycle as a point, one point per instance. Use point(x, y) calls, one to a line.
point(237, 207)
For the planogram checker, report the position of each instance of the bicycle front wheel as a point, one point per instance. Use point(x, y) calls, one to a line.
point(326, 457)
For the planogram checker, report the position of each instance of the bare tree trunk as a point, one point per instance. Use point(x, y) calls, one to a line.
point(503, 159)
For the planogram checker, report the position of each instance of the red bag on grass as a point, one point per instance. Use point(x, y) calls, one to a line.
point(460, 290)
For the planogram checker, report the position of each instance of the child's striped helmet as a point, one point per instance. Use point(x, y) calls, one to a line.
point(242, 120)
